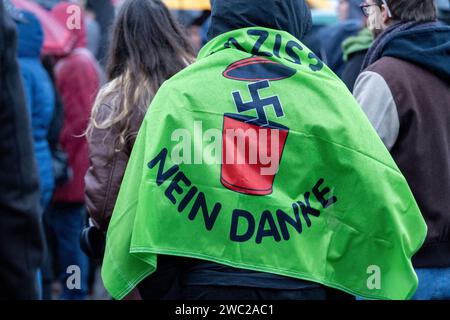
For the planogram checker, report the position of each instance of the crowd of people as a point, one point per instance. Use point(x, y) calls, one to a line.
point(81, 128)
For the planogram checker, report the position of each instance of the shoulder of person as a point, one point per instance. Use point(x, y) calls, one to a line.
point(390, 68)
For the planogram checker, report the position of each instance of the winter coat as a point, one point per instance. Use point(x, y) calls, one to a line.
point(77, 77)
point(405, 93)
point(21, 239)
point(40, 98)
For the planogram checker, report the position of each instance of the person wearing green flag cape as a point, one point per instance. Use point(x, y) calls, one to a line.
point(257, 168)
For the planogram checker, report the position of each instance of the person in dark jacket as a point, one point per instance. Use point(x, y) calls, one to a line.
point(21, 236)
point(40, 99)
point(405, 92)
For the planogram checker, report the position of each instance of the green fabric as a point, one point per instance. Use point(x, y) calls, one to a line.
point(362, 41)
point(374, 220)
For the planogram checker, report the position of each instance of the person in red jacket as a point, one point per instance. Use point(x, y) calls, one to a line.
point(77, 77)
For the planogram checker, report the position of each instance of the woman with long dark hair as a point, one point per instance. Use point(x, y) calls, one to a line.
point(148, 47)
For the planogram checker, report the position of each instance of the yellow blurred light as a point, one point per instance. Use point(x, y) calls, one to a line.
point(320, 4)
point(205, 4)
point(188, 4)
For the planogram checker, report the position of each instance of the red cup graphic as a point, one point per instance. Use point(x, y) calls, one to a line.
point(249, 149)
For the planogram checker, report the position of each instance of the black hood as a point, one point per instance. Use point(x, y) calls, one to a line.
point(293, 16)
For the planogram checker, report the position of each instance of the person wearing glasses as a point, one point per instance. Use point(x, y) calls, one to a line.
point(405, 91)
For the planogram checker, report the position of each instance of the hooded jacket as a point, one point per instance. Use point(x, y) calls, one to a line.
point(21, 237)
point(405, 92)
point(77, 78)
point(39, 96)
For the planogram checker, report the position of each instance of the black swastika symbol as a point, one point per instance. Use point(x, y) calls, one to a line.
point(257, 103)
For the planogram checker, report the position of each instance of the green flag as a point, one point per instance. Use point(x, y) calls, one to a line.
point(258, 157)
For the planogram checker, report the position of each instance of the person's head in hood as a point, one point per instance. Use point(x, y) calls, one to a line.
point(71, 16)
point(349, 9)
point(293, 16)
point(30, 36)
